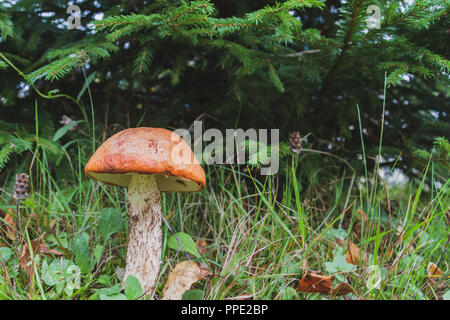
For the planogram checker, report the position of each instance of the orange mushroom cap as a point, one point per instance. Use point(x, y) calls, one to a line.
point(147, 151)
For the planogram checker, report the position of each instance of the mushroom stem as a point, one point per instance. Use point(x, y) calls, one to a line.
point(145, 236)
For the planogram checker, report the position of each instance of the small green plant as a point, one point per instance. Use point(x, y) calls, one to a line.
point(133, 291)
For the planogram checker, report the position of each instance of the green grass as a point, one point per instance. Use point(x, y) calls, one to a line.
point(261, 235)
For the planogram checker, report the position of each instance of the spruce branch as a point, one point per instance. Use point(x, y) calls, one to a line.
point(355, 9)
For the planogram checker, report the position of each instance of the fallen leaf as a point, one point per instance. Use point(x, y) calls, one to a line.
point(201, 245)
point(10, 226)
point(182, 277)
point(25, 259)
point(433, 269)
point(45, 250)
point(352, 252)
point(33, 215)
point(342, 289)
point(312, 282)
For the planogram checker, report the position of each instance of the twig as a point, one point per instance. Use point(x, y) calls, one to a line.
point(176, 237)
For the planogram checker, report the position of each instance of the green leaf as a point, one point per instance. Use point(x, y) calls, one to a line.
point(104, 279)
point(86, 85)
point(133, 289)
point(339, 263)
point(63, 130)
point(5, 254)
point(62, 274)
point(62, 239)
point(446, 295)
point(118, 296)
point(186, 241)
point(110, 222)
point(110, 291)
point(336, 233)
point(194, 294)
point(3, 291)
point(80, 247)
point(97, 255)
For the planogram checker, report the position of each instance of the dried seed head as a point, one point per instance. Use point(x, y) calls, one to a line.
point(21, 186)
point(65, 120)
point(295, 141)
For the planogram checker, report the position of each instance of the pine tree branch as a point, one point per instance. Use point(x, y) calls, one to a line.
point(346, 44)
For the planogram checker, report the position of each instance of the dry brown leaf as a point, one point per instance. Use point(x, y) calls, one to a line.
point(342, 289)
point(201, 245)
point(352, 252)
point(45, 250)
point(33, 215)
point(25, 261)
point(312, 282)
point(182, 277)
point(10, 225)
point(433, 271)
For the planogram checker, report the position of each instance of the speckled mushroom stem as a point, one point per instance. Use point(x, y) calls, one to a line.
point(145, 235)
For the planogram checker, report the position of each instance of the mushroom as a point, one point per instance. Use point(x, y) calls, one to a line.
point(146, 161)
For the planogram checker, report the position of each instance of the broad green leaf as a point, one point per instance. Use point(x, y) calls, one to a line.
point(61, 274)
point(5, 254)
point(104, 279)
point(186, 241)
point(62, 240)
point(194, 294)
point(118, 296)
point(97, 255)
point(80, 247)
point(110, 222)
point(446, 295)
point(339, 264)
point(110, 291)
point(133, 289)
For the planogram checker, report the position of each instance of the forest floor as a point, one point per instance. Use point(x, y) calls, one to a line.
point(266, 238)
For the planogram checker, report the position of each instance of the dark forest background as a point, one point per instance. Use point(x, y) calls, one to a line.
point(294, 65)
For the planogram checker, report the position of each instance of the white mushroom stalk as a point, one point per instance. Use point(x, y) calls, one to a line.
point(145, 235)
